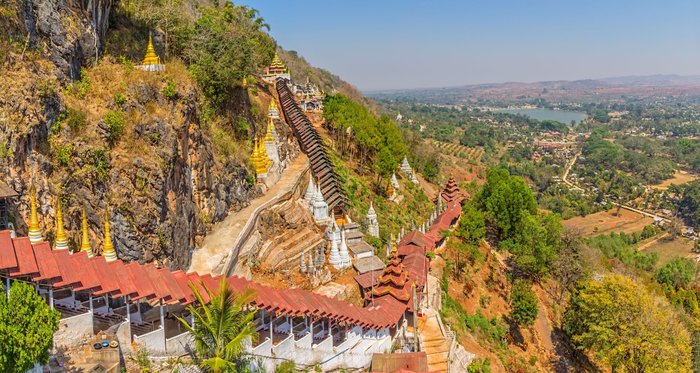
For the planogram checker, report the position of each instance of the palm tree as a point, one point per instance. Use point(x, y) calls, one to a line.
point(220, 328)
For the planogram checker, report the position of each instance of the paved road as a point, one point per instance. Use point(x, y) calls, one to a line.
point(225, 239)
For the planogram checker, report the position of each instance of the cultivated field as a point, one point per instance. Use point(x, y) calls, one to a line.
point(679, 177)
point(605, 222)
point(668, 250)
point(458, 150)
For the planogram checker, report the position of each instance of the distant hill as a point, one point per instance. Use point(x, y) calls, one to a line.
point(575, 90)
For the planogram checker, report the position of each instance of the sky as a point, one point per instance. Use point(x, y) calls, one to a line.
point(394, 44)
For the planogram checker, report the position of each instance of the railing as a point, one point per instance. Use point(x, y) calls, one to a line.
point(232, 259)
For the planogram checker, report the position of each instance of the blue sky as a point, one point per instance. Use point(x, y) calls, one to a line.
point(389, 44)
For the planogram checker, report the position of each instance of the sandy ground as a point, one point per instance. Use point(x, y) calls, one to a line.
point(225, 235)
point(679, 177)
point(605, 222)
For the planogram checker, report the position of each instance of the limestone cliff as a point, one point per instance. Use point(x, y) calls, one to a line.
point(111, 135)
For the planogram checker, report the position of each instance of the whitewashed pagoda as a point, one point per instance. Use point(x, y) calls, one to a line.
point(372, 222)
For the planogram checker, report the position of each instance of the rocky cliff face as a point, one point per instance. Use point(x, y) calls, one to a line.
point(118, 140)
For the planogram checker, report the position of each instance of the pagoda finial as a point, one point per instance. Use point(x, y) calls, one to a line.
point(85, 240)
point(61, 239)
point(34, 232)
point(108, 249)
point(268, 135)
point(151, 57)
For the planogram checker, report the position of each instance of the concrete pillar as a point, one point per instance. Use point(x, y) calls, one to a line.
point(138, 308)
point(162, 315)
point(271, 320)
point(291, 325)
point(90, 299)
point(51, 297)
point(128, 306)
point(7, 287)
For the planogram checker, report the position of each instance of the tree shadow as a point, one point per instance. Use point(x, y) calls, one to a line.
point(567, 358)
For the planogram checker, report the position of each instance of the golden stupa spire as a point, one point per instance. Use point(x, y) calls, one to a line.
point(108, 249)
point(263, 155)
point(85, 241)
point(151, 57)
point(61, 239)
point(268, 135)
point(273, 106)
point(34, 232)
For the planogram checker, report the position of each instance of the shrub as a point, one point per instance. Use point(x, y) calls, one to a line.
point(82, 87)
point(99, 161)
point(119, 99)
point(75, 119)
point(523, 302)
point(170, 90)
point(115, 125)
point(63, 154)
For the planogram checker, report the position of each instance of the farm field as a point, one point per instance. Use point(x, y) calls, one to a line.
point(679, 177)
point(667, 250)
point(605, 222)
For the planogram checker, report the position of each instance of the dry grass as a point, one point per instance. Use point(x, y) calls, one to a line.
point(606, 222)
point(668, 250)
point(679, 177)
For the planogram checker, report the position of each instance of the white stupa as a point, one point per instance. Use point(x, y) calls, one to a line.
point(344, 254)
point(373, 223)
point(394, 181)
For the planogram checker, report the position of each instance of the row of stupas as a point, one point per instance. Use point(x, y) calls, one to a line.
point(36, 235)
point(339, 256)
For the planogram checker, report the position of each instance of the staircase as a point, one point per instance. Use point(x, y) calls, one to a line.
point(435, 343)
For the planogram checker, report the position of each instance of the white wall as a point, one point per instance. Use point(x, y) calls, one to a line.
point(74, 330)
point(180, 344)
point(285, 349)
point(153, 341)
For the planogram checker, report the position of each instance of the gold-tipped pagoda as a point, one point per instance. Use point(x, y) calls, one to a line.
point(151, 61)
point(34, 232)
point(108, 248)
point(61, 242)
point(85, 240)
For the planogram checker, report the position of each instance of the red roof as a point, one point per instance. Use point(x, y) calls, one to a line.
point(18, 257)
point(368, 279)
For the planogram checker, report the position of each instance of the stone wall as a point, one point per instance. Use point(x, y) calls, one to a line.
point(74, 330)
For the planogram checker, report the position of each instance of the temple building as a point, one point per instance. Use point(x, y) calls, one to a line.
point(276, 70)
point(451, 193)
point(273, 112)
point(151, 61)
point(372, 222)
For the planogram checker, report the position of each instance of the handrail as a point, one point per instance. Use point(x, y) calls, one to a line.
point(232, 258)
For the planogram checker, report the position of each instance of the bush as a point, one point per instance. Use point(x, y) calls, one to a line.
point(82, 87)
point(75, 119)
point(115, 125)
point(170, 90)
point(677, 273)
point(119, 99)
point(99, 161)
point(63, 154)
point(523, 302)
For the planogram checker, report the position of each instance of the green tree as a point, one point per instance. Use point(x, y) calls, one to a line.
point(523, 303)
point(472, 227)
point(220, 328)
point(677, 273)
point(27, 325)
point(504, 199)
point(626, 327)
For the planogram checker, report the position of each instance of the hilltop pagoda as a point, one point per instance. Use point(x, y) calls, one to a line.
point(276, 70)
point(151, 61)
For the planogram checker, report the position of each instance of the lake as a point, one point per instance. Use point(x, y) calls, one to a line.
point(562, 116)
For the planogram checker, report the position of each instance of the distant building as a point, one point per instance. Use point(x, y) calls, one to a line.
point(151, 61)
point(276, 70)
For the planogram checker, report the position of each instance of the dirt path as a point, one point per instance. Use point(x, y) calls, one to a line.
point(227, 235)
point(428, 188)
point(647, 244)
